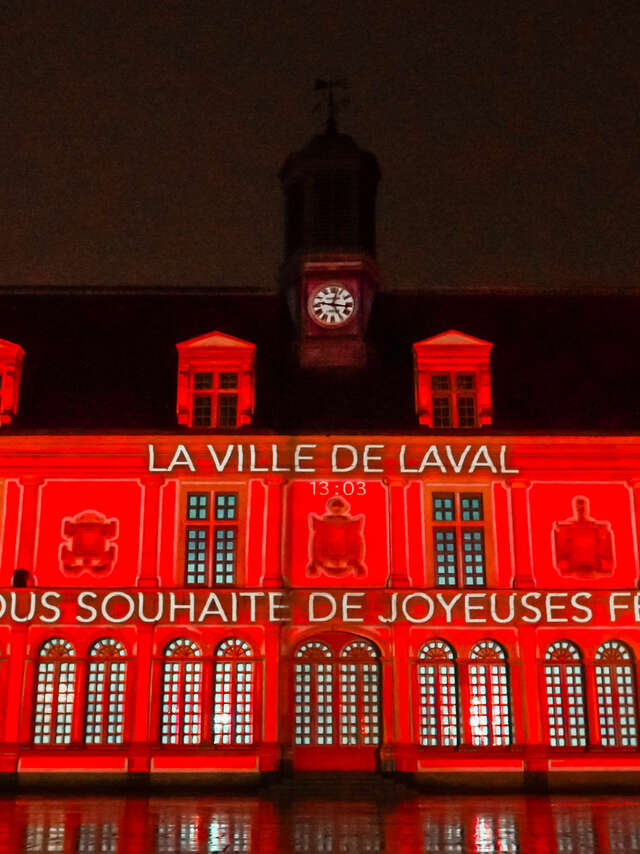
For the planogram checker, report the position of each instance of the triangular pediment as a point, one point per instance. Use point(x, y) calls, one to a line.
point(216, 339)
point(453, 338)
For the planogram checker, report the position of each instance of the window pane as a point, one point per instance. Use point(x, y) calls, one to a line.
point(441, 412)
point(228, 380)
point(440, 382)
point(314, 686)
point(438, 693)
point(471, 507)
point(55, 681)
point(465, 381)
point(226, 505)
point(196, 551)
point(567, 718)
point(359, 697)
point(224, 558)
point(181, 714)
point(233, 694)
point(198, 505)
point(466, 412)
point(489, 717)
point(473, 557)
point(201, 410)
point(104, 718)
point(203, 380)
point(444, 507)
point(228, 410)
point(615, 688)
point(445, 557)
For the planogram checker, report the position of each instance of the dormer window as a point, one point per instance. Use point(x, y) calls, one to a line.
point(11, 356)
point(453, 381)
point(215, 381)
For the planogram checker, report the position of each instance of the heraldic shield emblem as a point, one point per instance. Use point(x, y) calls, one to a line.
point(583, 546)
point(88, 547)
point(336, 540)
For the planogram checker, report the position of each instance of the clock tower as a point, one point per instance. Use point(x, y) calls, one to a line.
point(329, 274)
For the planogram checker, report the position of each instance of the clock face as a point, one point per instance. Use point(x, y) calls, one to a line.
point(332, 304)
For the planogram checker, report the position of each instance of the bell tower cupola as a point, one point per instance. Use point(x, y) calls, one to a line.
point(329, 274)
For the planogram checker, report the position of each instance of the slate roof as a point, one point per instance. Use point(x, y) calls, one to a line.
point(108, 363)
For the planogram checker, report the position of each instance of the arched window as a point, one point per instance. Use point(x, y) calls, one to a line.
point(181, 715)
point(359, 694)
point(233, 703)
point(438, 686)
point(616, 691)
point(489, 718)
point(104, 719)
point(55, 681)
point(314, 694)
point(565, 695)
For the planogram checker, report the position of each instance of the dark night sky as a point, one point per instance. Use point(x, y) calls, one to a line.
point(144, 138)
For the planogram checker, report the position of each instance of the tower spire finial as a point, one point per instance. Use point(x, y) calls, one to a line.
point(333, 104)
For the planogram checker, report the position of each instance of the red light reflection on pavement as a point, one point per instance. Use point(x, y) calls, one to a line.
point(282, 821)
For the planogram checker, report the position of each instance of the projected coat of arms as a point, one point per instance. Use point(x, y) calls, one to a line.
point(583, 546)
point(88, 547)
point(336, 540)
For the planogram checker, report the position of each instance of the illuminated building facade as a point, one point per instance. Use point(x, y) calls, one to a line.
point(332, 561)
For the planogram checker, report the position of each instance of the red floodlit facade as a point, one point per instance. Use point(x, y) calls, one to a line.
point(451, 603)
point(459, 607)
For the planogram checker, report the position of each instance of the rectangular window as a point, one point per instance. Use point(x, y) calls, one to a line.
point(471, 508)
point(227, 410)
point(473, 557)
point(228, 380)
point(466, 411)
point(226, 505)
point(198, 505)
point(211, 548)
point(196, 557)
point(446, 557)
point(465, 381)
point(225, 555)
point(211, 405)
point(440, 382)
point(442, 412)
point(203, 380)
point(444, 507)
point(453, 400)
point(201, 411)
point(458, 543)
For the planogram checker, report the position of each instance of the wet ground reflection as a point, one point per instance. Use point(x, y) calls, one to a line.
point(284, 823)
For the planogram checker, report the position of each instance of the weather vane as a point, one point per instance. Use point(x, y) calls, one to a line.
point(332, 103)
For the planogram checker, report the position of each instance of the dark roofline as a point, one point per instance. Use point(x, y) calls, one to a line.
point(570, 289)
point(136, 290)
